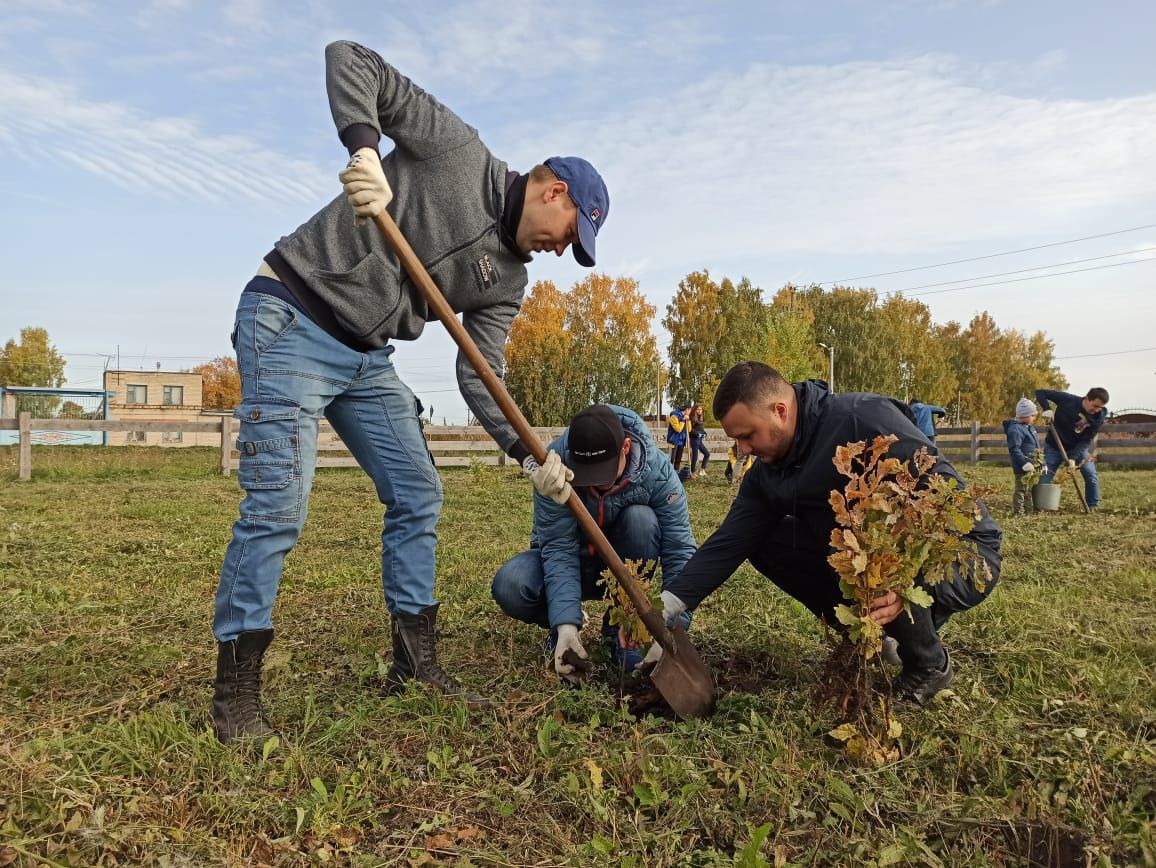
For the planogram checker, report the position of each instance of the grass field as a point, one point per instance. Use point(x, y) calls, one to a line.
point(1043, 753)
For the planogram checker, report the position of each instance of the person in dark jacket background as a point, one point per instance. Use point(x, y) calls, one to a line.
point(1022, 444)
point(925, 417)
point(633, 493)
point(314, 335)
point(698, 441)
point(782, 518)
point(1076, 421)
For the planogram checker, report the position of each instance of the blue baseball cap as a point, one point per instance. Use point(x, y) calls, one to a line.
point(588, 191)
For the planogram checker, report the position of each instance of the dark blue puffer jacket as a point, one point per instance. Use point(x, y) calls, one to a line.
point(1021, 443)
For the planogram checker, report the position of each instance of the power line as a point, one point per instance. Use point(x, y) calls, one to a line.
point(1116, 353)
point(1033, 277)
point(847, 280)
point(1025, 270)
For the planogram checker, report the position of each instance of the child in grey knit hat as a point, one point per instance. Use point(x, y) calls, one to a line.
point(1022, 444)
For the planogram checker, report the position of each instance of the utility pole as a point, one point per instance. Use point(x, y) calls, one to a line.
point(830, 366)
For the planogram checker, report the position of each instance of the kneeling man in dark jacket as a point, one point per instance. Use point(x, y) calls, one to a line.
point(782, 518)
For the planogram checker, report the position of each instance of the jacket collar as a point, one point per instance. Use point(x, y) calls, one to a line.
point(809, 395)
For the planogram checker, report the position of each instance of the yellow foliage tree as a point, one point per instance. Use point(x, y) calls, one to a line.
point(593, 344)
point(220, 383)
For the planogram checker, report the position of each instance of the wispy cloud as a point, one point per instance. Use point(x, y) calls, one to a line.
point(860, 157)
point(126, 147)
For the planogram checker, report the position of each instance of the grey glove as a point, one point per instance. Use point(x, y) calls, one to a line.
point(672, 609)
point(1028, 468)
point(551, 479)
point(1048, 416)
point(568, 640)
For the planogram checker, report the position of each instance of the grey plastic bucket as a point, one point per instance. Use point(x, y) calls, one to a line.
point(1046, 497)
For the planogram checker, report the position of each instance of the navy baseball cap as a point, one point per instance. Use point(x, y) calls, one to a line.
point(588, 191)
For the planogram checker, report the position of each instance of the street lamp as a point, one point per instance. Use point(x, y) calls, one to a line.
point(830, 366)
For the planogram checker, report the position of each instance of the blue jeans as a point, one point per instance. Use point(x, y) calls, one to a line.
point(293, 373)
point(698, 447)
point(519, 587)
point(1053, 460)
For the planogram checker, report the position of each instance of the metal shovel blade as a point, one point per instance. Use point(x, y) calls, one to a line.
point(683, 679)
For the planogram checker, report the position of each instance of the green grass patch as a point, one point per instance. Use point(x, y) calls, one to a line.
point(1043, 752)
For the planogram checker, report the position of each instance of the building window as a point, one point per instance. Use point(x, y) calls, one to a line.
point(136, 394)
point(135, 436)
point(173, 437)
point(174, 395)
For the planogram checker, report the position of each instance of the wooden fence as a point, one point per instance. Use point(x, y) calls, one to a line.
point(457, 446)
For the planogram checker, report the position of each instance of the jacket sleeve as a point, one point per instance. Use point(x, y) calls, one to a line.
point(489, 327)
point(561, 570)
point(747, 525)
point(1044, 397)
point(936, 411)
point(668, 500)
point(365, 91)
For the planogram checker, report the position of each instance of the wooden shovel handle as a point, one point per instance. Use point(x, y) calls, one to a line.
point(497, 389)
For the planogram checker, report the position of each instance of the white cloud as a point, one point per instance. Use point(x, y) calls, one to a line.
point(864, 157)
point(170, 156)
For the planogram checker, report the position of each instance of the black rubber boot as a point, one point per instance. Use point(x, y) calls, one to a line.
point(237, 711)
point(415, 657)
point(927, 667)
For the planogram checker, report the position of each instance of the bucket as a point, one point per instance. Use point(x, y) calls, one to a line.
point(1046, 496)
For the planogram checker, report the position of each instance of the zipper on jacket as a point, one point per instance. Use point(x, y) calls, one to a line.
point(601, 498)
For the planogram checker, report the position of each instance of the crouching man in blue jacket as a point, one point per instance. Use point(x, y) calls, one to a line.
point(635, 496)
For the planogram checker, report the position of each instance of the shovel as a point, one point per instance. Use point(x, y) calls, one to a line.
point(1068, 467)
point(680, 676)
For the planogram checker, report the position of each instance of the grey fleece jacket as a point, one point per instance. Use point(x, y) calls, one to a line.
point(449, 193)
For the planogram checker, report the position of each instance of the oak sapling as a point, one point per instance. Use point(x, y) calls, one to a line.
point(1033, 478)
point(896, 522)
point(622, 611)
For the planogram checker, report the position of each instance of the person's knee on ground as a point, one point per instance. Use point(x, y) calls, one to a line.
point(519, 588)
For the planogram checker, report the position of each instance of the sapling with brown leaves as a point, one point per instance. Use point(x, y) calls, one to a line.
point(896, 522)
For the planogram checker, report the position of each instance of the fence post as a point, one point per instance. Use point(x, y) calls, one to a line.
point(226, 445)
point(975, 441)
point(25, 446)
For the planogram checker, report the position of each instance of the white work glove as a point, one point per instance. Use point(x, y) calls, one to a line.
point(1028, 468)
point(1049, 415)
point(1071, 464)
point(551, 479)
point(365, 186)
point(568, 640)
point(672, 610)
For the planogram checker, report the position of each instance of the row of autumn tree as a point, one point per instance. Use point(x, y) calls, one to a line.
point(595, 344)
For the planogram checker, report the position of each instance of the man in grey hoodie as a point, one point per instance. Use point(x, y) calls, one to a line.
point(313, 336)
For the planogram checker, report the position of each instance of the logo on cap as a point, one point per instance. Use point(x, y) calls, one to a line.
point(594, 215)
point(591, 454)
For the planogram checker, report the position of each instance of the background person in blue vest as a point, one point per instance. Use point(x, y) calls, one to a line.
point(677, 431)
point(632, 491)
point(925, 417)
point(314, 335)
point(1076, 421)
point(782, 518)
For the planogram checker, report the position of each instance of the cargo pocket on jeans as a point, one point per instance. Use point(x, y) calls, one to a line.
point(270, 471)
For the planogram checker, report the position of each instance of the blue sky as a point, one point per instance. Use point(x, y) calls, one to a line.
point(152, 152)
